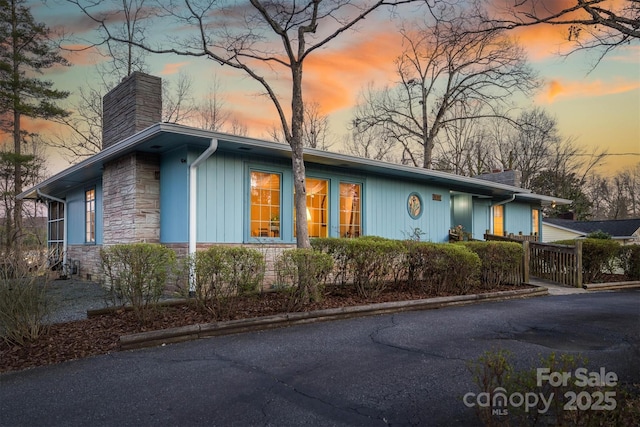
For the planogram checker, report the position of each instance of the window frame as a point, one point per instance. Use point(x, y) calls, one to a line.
point(493, 219)
point(360, 184)
point(90, 235)
point(282, 221)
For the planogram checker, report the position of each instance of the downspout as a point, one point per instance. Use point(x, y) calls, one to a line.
point(193, 191)
point(64, 221)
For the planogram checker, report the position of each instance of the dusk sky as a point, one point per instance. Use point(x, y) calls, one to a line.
point(598, 107)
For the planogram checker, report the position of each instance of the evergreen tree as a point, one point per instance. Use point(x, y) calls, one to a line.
point(26, 49)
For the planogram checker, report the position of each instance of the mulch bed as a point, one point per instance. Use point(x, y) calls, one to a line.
point(100, 334)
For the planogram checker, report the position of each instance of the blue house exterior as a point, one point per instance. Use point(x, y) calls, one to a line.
point(190, 188)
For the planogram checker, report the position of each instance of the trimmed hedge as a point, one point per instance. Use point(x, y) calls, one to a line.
point(597, 256)
point(500, 262)
point(222, 273)
point(136, 273)
point(371, 263)
point(441, 267)
point(629, 258)
point(302, 272)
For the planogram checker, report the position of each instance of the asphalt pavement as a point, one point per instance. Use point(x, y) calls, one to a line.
point(408, 368)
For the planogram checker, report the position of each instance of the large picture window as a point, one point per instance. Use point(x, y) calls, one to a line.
point(90, 215)
point(317, 208)
point(265, 204)
point(350, 209)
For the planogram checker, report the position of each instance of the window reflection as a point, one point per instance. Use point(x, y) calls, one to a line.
point(350, 209)
point(265, 204)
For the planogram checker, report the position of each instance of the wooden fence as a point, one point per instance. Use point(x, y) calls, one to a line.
point(557, 263)
point(547, 261)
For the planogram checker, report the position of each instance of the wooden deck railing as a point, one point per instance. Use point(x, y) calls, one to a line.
point(512, 237)
point(547, 261)
point(558, 263)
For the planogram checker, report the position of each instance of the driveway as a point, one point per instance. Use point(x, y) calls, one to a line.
point(403, 369)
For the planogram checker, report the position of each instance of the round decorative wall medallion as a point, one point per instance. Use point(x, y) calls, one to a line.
point(414, 205)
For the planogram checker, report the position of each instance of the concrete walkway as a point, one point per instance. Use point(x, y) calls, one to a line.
point(555, 288)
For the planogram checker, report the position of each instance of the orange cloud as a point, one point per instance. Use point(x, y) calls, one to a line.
point(173, 68)
point(82, 54)
point(557, 89)
point(334, 77)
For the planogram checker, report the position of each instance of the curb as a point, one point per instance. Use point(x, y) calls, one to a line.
point(611, 286)
point(193, 332)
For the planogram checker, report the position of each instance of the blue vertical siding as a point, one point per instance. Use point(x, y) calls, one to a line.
point(481, 218)
point(223, 202)
point(220, 195)
point(174, 196)
point(385, 210)
point(517, 218)
point(76, 217)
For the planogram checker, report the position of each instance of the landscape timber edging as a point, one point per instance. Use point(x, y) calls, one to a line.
point(611, 286)
point(192, 332)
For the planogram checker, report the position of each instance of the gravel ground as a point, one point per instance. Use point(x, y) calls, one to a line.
point(70, 299)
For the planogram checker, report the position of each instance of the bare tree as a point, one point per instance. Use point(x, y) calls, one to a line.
point(83, 136)
point(463, 148)
point(615, 197)
point(238, 128)
point(244, 37)
point(592, 24)
point(315, 127)
point(178, 105)
point(529, 146)
point(211, 113)
point(369, 142)
point(448, 72)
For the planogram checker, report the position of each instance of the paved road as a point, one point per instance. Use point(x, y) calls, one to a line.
point(402, 369)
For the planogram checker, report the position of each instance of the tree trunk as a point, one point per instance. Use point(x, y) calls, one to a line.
point(297, 160)
point(17, 171)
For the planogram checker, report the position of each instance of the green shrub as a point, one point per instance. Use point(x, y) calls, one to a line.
point(599, 234)
point(337, 249)
point(136, 274)
point(500, 262)
point(371, 262)
point(221, 274)
point(302, 272)
point(629, 259)
point(598, 255)
point(441, 267)
point(23, 301)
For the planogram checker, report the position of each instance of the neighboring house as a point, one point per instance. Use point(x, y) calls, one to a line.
point(190, 188)
point(625, 231)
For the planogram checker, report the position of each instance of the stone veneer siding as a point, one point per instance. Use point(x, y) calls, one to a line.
point(133, 105)
point(89, 257)
point(131, 199)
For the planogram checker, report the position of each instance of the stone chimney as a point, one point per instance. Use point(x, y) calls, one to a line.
point(133, 105)
point(507, 176)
